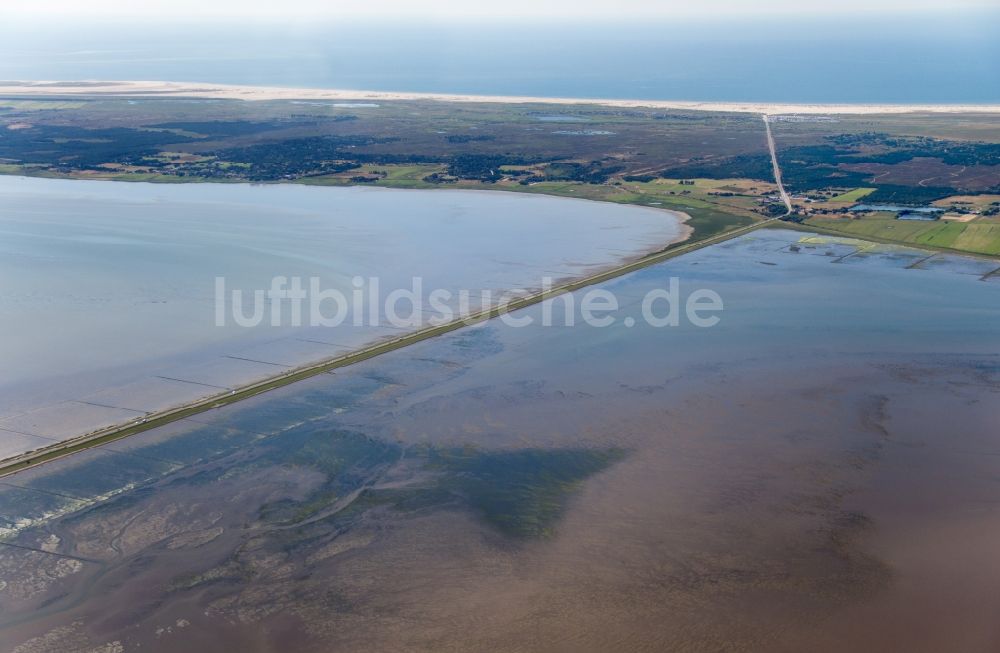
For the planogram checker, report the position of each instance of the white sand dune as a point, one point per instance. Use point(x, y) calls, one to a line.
point(228, 91)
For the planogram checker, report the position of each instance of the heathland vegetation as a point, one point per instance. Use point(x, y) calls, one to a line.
point(713, 166)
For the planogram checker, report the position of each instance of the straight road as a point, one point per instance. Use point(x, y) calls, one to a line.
point(777, 169)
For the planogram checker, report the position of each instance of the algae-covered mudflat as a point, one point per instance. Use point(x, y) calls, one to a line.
point(804, 465)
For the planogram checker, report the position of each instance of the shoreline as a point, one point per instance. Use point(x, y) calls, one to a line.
point(679, 235)
point(156, 89)
point(70, 446)
point(682, 217)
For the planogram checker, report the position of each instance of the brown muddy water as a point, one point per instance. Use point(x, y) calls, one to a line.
point(820, 471)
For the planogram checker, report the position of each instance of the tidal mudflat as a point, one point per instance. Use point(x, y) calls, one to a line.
point(816, 472)
point(107, 289)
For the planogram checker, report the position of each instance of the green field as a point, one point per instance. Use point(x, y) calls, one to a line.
point(391, 176)
point(853, 195)
point(976, 237)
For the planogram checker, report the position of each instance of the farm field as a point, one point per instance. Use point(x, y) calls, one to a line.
point(982, 237)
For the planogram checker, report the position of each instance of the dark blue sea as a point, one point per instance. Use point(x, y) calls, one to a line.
point(946, 58)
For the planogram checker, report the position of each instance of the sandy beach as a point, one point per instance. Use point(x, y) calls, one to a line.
point(34, 89)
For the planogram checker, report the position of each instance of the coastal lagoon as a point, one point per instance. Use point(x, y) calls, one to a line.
point(107, 289)
point(816, 472)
